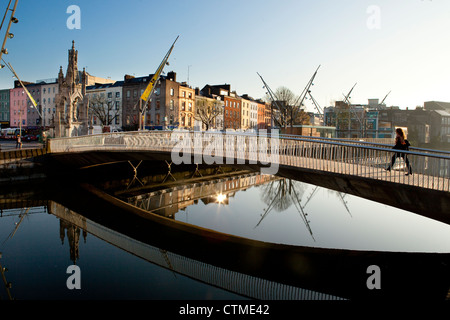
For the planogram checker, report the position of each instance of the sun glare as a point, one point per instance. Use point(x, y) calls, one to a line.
point(221, 198)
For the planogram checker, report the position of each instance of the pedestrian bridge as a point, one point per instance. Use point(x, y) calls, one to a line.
point(345, 157)
point(350, 166)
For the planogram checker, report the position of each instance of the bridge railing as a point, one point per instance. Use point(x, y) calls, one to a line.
point(369, 142)
point(430, 169)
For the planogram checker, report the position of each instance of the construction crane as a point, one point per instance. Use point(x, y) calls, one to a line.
point(316, 104)
point(382, 101)
point(305, 92)
point(147, 94)
point(352, 109)
point(275, 101)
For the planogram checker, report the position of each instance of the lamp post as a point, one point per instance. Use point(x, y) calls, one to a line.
point(8, 34)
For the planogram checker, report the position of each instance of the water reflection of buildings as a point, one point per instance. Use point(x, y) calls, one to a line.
point(167, 202)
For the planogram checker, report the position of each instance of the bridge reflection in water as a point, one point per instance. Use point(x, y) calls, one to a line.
point(169, 218)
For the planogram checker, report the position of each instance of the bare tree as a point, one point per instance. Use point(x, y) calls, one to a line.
point(104, 109)
point(207, 111)
point(302, 117)
point(286, 112)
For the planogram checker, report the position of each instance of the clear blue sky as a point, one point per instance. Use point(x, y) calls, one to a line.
point(407, 52)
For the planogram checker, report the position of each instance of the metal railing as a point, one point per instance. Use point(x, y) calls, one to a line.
point(431, 168)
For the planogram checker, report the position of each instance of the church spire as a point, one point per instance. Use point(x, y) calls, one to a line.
point(72, 67)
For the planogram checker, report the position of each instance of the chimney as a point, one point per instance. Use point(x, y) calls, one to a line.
point(127, 77)
point(172, 76)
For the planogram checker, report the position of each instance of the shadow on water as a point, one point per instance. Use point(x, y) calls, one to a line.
point(129, 201)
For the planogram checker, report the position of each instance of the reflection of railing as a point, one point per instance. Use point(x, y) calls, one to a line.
point(431, 169)
point(237, 282)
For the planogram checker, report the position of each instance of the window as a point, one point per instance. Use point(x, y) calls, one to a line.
point(109, 94)
point(190, 106)
point(171, 92)
point(117, 94)
point(128, 93)
point(171, 104)
point(183, 94)
point(158, 104)
point(183, 106)
point(117, 105)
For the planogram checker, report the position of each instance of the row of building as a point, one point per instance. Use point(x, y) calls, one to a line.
point(117, 104)
point(79, 96)
point(78, 103)
point(425, 124)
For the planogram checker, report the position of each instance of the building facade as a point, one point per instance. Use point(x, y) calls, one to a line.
point(34, 113)
point(105, 106)
point(162, 107)
point(232, 109)
point(18, 106)
point(246, 110)
point(187, 108)
point(49, 90)
point(208, 112)
point(261, 116)
point(4, 108)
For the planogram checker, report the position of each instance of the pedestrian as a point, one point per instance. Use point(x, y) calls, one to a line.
point(19, 142)
point(400, 144)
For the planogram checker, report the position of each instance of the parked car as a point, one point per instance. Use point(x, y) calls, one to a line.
point(31, 137)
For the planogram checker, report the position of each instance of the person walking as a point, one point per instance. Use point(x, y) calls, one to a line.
point(400, 144)
point(19, 142)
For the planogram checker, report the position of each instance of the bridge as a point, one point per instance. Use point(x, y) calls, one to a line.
point(350, 166)
point(347, 157)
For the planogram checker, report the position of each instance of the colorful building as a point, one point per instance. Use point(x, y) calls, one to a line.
point(18, 106)
point(4, 108)
point(187, 108)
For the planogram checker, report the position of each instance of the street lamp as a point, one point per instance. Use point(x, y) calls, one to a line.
point(8, 34)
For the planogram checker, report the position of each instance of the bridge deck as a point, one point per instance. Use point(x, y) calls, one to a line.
point(396, 175)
